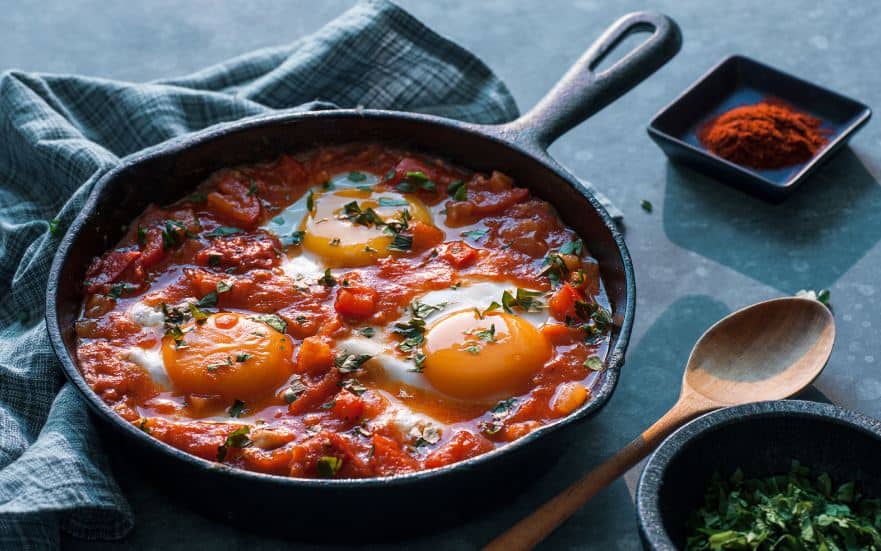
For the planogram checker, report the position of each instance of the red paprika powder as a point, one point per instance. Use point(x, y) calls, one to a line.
point(767, 135)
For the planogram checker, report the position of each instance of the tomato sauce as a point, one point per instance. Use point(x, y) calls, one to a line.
point(242, 325)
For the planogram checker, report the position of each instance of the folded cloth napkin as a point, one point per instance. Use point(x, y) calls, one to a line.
point(60, 133)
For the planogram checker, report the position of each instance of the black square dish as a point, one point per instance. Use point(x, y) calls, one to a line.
point(737, 81)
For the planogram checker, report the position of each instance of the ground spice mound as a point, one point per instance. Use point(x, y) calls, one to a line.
point(766, 135)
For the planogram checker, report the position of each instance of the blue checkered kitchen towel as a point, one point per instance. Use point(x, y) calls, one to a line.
point(60, 133)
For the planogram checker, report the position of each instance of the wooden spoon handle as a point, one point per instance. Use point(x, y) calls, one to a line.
point(531, 530)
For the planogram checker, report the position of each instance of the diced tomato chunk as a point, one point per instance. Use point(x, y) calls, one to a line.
point(347, 407)
point(153, 249)
point(562, 303)
point(243, 252)
point(389, 458)
point(461, 446)
point(315, 356)
point(356, 302)
point(458, 254)
point(233, 201)
point(425, 236)
point(108, 269)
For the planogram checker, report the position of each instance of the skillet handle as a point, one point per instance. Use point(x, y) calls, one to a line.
point(582, 91)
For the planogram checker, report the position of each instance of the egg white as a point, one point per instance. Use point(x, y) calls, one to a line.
point(477, 294)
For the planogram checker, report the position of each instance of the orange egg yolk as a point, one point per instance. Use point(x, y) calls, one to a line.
point(474, 358)
point(342, 227)
point(229, 355)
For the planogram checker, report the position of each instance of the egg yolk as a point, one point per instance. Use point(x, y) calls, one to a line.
point(229, 355)
point(342, 227)
point(483, 358)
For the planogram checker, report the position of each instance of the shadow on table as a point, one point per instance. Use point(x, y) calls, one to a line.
point(806, 242)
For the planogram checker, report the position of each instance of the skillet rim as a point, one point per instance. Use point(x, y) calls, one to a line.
point(495, 133)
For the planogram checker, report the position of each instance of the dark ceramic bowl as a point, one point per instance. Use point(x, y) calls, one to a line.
point(762, 439)
point(367, 508)
point(739, 80)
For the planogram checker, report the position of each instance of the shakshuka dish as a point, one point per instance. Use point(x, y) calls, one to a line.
point(349, 312)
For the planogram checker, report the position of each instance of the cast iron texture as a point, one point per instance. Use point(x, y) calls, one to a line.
point(762, 439)
point(168, 171)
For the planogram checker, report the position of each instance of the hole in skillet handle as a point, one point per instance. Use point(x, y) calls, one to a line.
point(583, 91)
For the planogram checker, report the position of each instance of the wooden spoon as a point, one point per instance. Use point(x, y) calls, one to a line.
point(768, 351)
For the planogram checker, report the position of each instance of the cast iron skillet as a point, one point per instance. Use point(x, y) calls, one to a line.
point(304, 508)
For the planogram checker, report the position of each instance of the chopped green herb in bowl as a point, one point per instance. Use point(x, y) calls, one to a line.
point(794, 511)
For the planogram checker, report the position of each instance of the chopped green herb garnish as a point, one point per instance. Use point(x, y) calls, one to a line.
point(236, 439)
point(328, 405)
point(295, 238)
point(458, 190)
point(823, 295)
point(310, 201)
point(367, 332)
point(498, 413)
point(575, 247)
point(198, 315)
point(594, 363)
point(236, 409)
point(348, 363)
point(401, 243)
point(354, 386)
point(475, 234)
point(208, 301)
point(646, 206)
point(223, 231)
point(142, 235)
point(252, 187)
point(335, 242)
point(278, 220)
point(523, 299)
point(224, 286)
point(791, 511)
point(212, 367)
point(171, 233)
point(328, 466)
point(422, 310)
point(243, 357)
point(272, 320)
point(53, 226)
point(214, 260)
point(327, 279)
point(295, 389)
point(357, 176)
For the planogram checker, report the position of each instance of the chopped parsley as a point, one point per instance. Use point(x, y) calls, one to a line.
point(328, 466)
point(295, 238)
point(575, 247)
point(349, 363)
point(796, 510)
point(594, 363)
point(475, 234)
point(278, 220)
point(224, 286)
point(198, 315)
point(142, 235)
point(523, 299)
point(223, 231)
point(646, 206)
point(310, 201)
point(208, 301)
point(498, 413)
point(252, 187)
point(354, 386)
point(401, 243)
point(171, 233)
point(367, 332)
point(236, 439)
point(422, 310)
point(357, 176)
point(117, 289)
point(327, 279)
point(236, 409)
point(458, 190)
point(243, 357)
point(328, 405)
point(272, 320)
point(823, 295)
point(53, 226)
point(295, 389)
